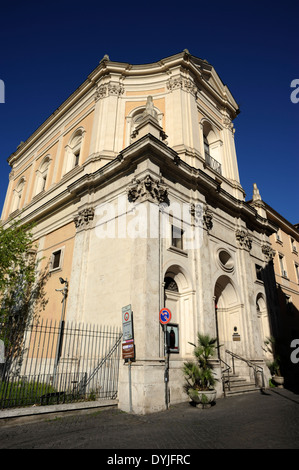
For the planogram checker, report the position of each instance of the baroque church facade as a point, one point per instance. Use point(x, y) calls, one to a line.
point(134, 187)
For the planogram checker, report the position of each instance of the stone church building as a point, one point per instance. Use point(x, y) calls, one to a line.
point(134, 186)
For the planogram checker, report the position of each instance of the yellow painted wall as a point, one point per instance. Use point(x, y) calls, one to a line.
point(145, 93)
point(87, 124)
point(62, 238)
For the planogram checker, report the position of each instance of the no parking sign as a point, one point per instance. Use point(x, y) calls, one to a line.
point(165, 316)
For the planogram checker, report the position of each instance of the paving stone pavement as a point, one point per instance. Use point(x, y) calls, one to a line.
point(255, 421)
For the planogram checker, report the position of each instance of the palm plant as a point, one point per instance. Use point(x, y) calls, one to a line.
point(199, 375)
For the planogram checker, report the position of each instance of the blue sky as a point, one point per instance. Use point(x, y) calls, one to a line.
point(48, 50)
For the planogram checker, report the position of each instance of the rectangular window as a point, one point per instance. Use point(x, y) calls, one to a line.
point(289, 303)
point(282, 266)
point(293, 245)
point(56, 259)
point(258, 270)
point(297, 271)
point(77, 156)
point(278, 236)
point(177, 237)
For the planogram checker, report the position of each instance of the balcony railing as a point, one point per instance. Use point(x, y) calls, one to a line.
point(211, 162)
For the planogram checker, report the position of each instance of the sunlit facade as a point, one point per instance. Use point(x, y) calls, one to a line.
point(134, 186)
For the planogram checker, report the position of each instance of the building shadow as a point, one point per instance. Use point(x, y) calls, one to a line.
point(284, 327)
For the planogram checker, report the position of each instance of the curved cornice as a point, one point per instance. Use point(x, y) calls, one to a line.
point(200, 70)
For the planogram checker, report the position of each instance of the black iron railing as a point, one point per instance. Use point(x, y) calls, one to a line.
point(49, 362)
point(212, 163)
point(257, 370)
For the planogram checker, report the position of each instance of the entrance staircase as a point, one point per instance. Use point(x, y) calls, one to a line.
point(235, 384)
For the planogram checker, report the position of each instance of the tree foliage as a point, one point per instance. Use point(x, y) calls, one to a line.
point(22, 287)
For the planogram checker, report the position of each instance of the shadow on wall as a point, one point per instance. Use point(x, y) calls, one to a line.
point(284, 326)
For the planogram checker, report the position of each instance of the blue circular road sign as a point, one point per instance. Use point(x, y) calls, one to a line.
point(165, 316)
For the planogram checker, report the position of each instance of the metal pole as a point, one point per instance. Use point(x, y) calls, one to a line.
point(166, 372)
point(130, 387)
point(61, 326)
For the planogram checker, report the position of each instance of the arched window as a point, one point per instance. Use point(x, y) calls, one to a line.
point(170, 284)
point(135, 117)
point(206, 146)
point(73, 150)
point(42, 175)
point(17, 195)
point(212, 147)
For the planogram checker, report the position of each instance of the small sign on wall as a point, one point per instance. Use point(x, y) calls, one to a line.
point(128, 349)
point(127, 323)
point(172, 338)
point(236, 336)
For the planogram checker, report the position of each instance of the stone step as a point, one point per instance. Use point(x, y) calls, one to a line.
point(238, 385)
point(241, 391)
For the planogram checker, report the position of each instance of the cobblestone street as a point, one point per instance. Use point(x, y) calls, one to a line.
point(256, 421)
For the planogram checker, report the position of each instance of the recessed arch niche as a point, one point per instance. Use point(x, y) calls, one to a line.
point(179, 299)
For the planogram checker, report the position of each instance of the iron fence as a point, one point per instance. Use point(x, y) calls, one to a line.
point(47, 362)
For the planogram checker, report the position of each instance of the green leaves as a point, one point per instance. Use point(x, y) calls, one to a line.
point(18, 264)
point(199, 374)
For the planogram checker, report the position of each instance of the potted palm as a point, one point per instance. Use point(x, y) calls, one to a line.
point(274, 366)
point(199, 375)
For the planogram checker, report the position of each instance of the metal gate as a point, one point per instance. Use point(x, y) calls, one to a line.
point(47, 362)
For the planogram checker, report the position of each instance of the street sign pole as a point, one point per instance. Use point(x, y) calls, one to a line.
point(165, 317)
point(130, 387)
point(166, 371)
point(128, 345)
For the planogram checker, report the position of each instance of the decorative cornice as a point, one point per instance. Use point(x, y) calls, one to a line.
point(84, 217)
point(147, 189)
point(244, 239)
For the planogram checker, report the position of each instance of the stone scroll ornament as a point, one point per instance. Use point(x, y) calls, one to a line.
point(84, 217)
point(245, 241)
point(148, 189)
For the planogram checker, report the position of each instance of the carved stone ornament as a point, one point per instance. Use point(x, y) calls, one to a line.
point(268, 252)
point(227, 123)
point(244, 239)
point(147, 190)
point(208, 219)
point(113, 89)
point(202, 216)
point(84, 217)
point(184, 83)
point(196, 211)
